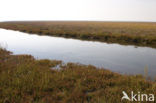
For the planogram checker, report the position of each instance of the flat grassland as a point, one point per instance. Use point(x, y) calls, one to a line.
point(137, 33)
point(26, 80)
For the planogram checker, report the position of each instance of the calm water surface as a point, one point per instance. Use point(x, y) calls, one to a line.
point(118, 58)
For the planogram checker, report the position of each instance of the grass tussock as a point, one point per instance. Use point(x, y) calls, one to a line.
point(26, 80)
point(143, 34)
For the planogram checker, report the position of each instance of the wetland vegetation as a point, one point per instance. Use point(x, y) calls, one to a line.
point(137, 33)
point(24, 79)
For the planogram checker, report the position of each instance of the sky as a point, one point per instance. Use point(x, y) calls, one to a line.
point(90, 10)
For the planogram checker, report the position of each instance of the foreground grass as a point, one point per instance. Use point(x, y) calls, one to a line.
point(143, 34)
point(26, 80)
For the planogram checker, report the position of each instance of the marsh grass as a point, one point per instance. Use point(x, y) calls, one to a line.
point(26, 80)
point(142, 34)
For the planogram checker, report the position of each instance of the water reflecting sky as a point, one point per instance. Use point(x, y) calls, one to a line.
point(119, 58)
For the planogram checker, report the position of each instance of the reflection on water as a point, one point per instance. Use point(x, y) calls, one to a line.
point(119, 58)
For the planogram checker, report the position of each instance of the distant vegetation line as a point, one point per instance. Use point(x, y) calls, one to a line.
point(137, 33)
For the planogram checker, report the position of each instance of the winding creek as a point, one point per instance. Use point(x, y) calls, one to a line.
point(115, 57)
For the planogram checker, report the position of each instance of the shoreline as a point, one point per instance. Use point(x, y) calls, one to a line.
point(25, 79)
point(81, 31)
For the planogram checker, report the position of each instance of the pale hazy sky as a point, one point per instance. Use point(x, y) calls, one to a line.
point(101, 10)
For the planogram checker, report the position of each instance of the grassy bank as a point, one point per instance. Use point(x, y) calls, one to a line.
point(26, 80)
point(143, 34)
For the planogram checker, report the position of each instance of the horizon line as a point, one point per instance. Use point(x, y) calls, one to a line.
point(80, 21)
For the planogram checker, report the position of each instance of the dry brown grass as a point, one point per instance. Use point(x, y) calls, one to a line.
point(117, 32)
